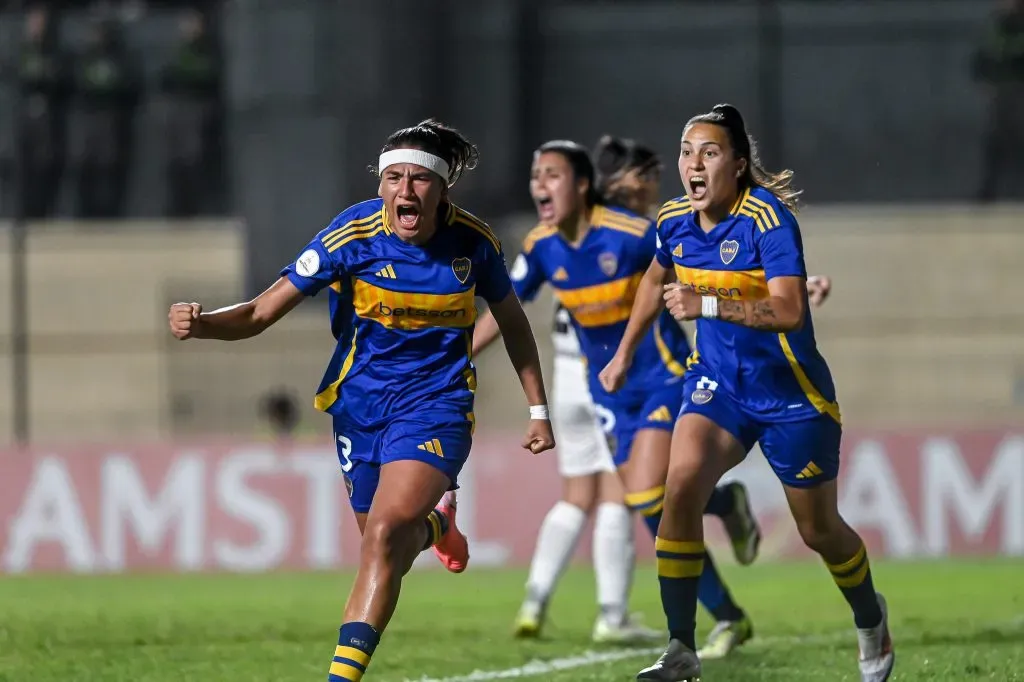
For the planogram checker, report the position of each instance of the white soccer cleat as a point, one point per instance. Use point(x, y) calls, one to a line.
point(741, 525)
point(876, 658)
point(677, 664)
point(629, 631)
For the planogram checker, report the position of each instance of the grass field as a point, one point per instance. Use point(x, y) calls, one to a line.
point(951, 621)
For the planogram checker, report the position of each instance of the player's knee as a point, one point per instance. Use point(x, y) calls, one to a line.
point(581, 492)
point(682, 489)
point(388, 536)
point(820, 532)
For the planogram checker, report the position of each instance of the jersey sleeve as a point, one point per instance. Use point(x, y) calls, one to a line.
point(782, 249)
point(527, 274)
point(493, 283)
point(661, 251)
point(315, 268)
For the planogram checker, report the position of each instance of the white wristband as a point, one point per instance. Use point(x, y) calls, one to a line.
point(709, 307)
point(539, 412)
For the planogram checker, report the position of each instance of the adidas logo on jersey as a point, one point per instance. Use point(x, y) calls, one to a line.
point(433, 446)
point(660, 415)
point(809, 471)
point(560, 275)
point(678, 251)
point(387, 272)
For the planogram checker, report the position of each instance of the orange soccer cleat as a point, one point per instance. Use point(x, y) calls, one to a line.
point(453, 547)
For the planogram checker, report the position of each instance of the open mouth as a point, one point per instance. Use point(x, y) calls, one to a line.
point(698, 187)
point(545, 208)
point(407, 216)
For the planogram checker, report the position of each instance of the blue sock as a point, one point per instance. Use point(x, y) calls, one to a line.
point(680, 564)
point(722, 502)
point(356, 643)
point(714, 595)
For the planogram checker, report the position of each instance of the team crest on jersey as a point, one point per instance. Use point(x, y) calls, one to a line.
point(728, 250)
point(609, 263)
point(461, 266)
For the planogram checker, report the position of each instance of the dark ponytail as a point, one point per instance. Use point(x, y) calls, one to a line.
point(780, 183)
point(616, 156)
point(579, 159)
point(436, 138)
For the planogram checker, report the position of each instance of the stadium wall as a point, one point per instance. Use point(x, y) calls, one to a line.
point(148, 452)
point(242, 506)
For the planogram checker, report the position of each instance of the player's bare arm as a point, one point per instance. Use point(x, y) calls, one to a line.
point(236, 322)
point(514, 326)
point(646, 307)
point(485, 332)
point(783, 311)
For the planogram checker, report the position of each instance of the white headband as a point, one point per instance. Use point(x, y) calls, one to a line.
point(416, 156)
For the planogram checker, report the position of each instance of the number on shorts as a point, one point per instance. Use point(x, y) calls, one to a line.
point(344, 451)
point(605, 417)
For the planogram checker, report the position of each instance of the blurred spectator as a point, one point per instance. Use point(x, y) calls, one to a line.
point(41, 118)
point(281, 411)
point(1000, 64)
point(192, 83)
point(108, 91)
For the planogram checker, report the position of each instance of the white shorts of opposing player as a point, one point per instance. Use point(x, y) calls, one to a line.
point(582, 451)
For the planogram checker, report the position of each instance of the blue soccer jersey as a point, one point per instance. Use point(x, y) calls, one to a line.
point(771, 377)
point(402, 314)
point(596, 282)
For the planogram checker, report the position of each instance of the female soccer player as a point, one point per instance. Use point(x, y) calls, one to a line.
point(403, 271)
point(594, 256)
point(590, 486)
point(756, 376)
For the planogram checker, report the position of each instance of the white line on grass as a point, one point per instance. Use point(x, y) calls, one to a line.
point(589, 658)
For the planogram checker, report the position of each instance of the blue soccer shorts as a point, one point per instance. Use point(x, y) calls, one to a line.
point(621, 415)
point(803, 454)
point(442, 440)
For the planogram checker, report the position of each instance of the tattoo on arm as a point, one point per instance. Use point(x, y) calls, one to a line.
point(757, 314)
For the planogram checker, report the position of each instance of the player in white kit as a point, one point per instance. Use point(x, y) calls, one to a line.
point(590, 485)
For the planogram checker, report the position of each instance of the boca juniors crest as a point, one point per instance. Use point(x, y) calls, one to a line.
point(461, 267)
point(728, 250)
point(608, 262)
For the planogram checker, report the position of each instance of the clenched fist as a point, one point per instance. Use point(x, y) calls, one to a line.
point(539, 436)
point(682, 301)
point(818, 289)
point(184, 320)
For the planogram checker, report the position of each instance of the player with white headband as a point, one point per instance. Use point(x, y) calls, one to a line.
point(402, 273)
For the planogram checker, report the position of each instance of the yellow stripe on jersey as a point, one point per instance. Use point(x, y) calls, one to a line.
point(351, 225)
point(763, 213)
point(829, 407)
point(536, 234)
point(732, 284)
point(469, 220)
point(674, 213)
point(601, 216)
point(407, 310)
point(744, 195)
point(601, 304)
point(674, 207)
point(327, 397)
point(363, 232)
point(665, 352)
